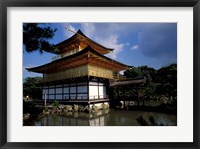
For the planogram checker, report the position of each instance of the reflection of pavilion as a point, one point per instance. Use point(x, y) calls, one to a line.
point(100, 118)
point(81, 73)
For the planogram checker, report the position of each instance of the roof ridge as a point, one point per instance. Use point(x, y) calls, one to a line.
point(80, 33)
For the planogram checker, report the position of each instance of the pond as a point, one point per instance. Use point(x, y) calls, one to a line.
point(106, 117)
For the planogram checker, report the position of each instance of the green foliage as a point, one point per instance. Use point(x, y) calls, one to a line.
point(55, 104)
point(159, 82)
point(31, 88)
point(46, 109)
point(139, 72)
point(30, 107)
point(150, 89)
point(133, 72)
point(167, 81)
point(36, 36)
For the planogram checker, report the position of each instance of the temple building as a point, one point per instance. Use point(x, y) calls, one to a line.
point(81, 72)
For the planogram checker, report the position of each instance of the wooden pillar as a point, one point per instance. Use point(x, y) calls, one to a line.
point(98, 89)
point(88, 94)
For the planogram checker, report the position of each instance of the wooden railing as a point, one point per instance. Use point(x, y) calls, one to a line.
point(75, 75)
point(118, 77)
point(100, 74)
point(64, 76)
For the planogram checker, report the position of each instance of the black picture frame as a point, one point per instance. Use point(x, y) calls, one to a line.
point(4, 4)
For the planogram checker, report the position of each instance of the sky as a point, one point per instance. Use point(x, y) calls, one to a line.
point(134, 44)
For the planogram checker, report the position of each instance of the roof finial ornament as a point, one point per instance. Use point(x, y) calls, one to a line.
point(71, 30)
point(77, 33)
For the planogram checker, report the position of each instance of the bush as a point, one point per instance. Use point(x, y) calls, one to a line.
point(55, 104)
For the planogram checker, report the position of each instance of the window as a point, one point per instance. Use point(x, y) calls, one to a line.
point(82, 89)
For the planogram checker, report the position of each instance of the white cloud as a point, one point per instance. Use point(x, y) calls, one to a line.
point(107, 34)
point(135, 47)
point(111, 42)
point(88, 29)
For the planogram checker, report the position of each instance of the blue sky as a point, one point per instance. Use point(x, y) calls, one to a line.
point(135, 44)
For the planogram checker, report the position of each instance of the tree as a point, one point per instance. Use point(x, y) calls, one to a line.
point(149, 72)
point(167, 80)
point(133, 72)
point(31, 89)
point(139, 72)
point(159, 82)
point(36, 36)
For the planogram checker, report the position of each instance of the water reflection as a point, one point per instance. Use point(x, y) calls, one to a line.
point(108, 117)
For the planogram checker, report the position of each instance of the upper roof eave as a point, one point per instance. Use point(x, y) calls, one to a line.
point(81, 33)
point(87, 49)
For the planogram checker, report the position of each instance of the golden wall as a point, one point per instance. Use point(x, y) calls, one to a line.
point(84, 70)
point(99, 71)
point(68, 73)
point(74, 50)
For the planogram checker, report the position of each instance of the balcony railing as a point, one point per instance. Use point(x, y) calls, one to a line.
point(118, 77)
point(76, 74)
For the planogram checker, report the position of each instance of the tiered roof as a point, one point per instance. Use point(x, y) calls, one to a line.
point(85, 56)
point(79, 38)
point(92, 53)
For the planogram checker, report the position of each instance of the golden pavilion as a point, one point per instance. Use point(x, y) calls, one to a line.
point(80, 73)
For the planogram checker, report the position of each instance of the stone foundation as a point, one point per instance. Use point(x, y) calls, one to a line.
point(76, 108)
